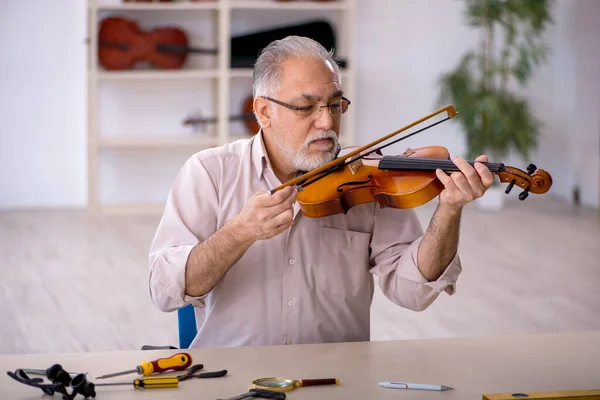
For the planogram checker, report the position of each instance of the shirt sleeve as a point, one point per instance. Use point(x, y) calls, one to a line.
point(397, 234)
point(190, 216)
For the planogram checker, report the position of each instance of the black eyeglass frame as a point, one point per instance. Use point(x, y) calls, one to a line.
point(306, 108)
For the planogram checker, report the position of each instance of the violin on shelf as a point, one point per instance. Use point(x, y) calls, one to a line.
point(122, 44)
point(246, 115)
point(407, 180)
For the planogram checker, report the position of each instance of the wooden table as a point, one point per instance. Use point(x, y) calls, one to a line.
point(472, 366)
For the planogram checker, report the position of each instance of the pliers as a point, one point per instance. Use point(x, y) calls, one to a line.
point(262, 393)
point(191, 373)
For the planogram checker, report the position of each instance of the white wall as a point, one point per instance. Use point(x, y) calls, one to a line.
point(42, 104)
point(582, 130)
point(403, 47)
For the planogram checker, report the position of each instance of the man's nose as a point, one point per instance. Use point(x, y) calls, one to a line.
point(324, 120)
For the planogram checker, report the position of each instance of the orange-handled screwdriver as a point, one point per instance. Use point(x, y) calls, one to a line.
point(177, 362)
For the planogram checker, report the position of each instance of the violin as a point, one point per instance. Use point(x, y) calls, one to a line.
point(397, 181)
point(247, 116)
point(122, 44)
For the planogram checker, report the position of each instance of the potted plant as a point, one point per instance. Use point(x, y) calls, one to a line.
point(484, 86)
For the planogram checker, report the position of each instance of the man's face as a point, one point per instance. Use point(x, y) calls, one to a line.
point(308, 138)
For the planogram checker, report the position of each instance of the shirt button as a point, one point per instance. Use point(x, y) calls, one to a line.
point(289, 341)
point(292, 261)
point(291, 303)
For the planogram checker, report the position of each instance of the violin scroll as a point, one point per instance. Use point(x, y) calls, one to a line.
point(535, 180)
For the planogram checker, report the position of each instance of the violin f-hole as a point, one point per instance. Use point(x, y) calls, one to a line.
point(369, 179)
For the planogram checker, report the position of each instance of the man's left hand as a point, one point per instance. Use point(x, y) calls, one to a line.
point(465, 186)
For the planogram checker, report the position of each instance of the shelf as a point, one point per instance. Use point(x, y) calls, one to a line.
point(289, 5)
point(177, 74)
point(234, 5)
point(247, 72)
point(240, 72)
point(179, 6)
point(209, 83)
point(157, 74)
point(157, 142)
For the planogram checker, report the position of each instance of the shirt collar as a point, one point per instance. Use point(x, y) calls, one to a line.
point(260, 158)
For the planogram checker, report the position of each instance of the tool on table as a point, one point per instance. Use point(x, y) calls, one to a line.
point(415, 386)
point(60, 382)
point(44, 372)
point(159, 382)
point(191, 373)
point(553, 394)
point(284, 385)
point(177, 362)
point(262, 393)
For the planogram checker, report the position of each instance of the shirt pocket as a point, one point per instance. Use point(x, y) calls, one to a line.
point(342, 264)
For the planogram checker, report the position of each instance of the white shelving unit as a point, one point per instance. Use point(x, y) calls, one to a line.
point(139, 112)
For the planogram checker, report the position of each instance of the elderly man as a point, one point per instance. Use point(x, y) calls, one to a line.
point(258, 271)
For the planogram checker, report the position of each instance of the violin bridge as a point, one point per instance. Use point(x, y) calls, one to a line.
point(355, 165)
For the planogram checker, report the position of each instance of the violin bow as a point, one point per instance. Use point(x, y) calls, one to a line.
point(340, 161)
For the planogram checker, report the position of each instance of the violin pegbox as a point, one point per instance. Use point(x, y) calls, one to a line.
point(535, 180)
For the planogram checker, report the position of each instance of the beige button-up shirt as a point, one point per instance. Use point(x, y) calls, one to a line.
point(310, 284)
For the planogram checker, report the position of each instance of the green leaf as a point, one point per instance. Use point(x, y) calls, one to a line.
point(497, 121)
point(522, 68)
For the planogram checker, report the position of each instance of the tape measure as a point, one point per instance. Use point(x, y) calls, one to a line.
point(555, 394)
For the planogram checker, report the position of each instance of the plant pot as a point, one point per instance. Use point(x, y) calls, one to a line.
point(492, 200)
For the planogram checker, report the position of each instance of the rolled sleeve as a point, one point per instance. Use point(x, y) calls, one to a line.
point(167, 282)
point(189, 218)
point(397, 235)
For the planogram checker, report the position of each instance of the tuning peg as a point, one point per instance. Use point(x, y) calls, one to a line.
point(510, 186)
point(531, 168)
point(523, 195)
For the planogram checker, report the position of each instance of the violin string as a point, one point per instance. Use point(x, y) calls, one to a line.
point(494, 167)
point(395, 141)
point(425, 163)
point(411, 160)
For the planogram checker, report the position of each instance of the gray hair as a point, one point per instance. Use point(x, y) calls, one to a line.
point(267, 69)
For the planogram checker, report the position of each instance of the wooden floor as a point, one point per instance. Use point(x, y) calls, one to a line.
point(73, 281)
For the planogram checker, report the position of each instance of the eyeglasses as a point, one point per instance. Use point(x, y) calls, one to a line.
point(337, 107)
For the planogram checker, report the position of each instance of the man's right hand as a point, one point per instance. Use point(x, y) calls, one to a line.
point(265, 215)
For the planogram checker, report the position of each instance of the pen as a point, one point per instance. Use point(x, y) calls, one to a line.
point(415, 386)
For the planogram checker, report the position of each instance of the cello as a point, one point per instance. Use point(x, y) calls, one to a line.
point(122, 44)
point(397, 181)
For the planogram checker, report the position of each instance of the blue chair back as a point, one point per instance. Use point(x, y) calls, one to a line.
point(186, 323)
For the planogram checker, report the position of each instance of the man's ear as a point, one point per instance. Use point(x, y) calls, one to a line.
point(263, 111)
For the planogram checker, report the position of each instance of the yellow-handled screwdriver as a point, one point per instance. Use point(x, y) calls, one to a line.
point(177, 362)
point(160, 382)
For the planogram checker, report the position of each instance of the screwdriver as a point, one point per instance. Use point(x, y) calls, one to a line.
point(148, 383)
point(177, 362)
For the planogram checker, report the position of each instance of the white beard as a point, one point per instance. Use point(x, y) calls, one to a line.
point(300, 159)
